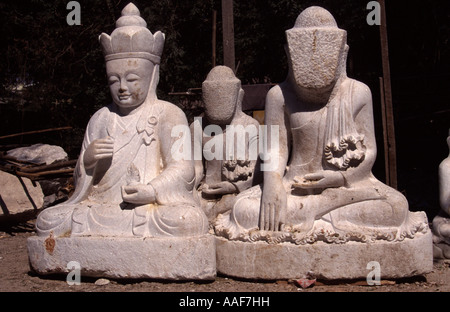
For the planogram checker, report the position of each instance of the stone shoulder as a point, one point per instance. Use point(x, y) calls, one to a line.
point(361, 95)
point(102, 113)
point(172, 114)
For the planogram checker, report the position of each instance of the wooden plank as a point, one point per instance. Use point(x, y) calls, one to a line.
point(57, 165)
point(34, 132)
point(228, 34)
point(385, 134)
point(388, 98)
point(40, 175)
point(213, 39)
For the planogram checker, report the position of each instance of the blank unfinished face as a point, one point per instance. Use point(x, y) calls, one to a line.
point(220, 99)
point(315, 55)
point(129, 81)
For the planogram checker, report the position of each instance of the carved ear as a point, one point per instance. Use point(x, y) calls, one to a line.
point(239, 100)
point(345, 55)
point(241, 95)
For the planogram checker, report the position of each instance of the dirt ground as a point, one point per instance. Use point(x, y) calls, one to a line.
point(15, 276)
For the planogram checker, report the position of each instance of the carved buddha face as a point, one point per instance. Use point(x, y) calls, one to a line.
point(129, 81)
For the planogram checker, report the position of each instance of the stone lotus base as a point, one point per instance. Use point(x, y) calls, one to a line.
point(260, 260)
point(174, 258)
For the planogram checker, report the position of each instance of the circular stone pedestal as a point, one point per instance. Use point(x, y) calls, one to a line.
point(260, 260)
point(172, 258)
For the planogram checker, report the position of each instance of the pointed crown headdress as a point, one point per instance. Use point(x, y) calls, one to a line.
point(132, 38)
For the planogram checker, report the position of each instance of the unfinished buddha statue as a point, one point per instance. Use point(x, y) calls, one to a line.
point(322, 187)
point(232, 135)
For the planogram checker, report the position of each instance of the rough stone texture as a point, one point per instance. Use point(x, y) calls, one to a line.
point(321, 187)
point(18, 194)
point(39, 153)
point(260, 260)
point(232, 167)
point(320, 208)
point(186, 258)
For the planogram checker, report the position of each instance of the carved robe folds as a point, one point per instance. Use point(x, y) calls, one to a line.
point(133, 212)
point(97, 208)
point(320, 210)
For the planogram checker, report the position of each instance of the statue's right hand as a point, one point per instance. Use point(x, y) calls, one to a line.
point(98, 149)
point(272, 215)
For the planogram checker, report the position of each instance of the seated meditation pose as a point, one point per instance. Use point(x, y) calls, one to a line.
point(126, 181)
point(441, 223)
point(229, 140)
point(321, 187)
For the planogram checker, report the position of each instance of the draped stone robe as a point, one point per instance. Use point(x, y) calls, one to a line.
point(337, 137)
point(142, 155)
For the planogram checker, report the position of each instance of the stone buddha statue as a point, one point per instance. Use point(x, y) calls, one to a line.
point(441, 223)
point(322, 188)
point(126, 181)
point(232, 135)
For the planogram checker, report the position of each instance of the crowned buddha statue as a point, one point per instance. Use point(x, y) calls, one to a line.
point(322, 187)
point(127, 183)
point(229, 140)
point(441, 222)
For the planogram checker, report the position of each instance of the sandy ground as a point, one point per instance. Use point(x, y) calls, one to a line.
point(15, 276)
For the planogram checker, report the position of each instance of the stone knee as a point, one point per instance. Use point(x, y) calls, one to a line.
point(56, 220)
point(185, 220)
point(245, 212)
point(395, 208)
point(391, 212)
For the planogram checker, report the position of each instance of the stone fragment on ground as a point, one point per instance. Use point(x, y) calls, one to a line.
point(39, 153)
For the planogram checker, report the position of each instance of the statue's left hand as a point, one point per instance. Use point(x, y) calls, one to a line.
point(139, 194)
point(220, 188)
point(320, 179)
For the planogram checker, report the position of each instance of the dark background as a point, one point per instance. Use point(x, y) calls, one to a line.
point(62, 68)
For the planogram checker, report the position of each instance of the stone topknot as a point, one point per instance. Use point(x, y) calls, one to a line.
point(130, 17)
point(220, 73)
point(315, 16)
